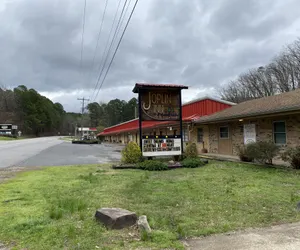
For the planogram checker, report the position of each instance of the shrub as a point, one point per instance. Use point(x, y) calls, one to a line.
point(131, 153)
point(292, 155)
point(191, 150)
point(243, 154)
point(192, 163)
point(153, 165)
point(262, 151)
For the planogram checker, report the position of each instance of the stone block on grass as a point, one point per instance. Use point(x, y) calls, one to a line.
point(143, 224)
point(116, 218)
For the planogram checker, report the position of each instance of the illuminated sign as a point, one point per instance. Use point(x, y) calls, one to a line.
point(160, 105)
point(161, 146)
point(5, 126)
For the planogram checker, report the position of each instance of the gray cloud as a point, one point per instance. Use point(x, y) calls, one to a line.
point(200, 43)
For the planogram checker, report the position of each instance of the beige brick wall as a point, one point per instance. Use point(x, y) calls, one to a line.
point(194, 137)
point(264, 132)
point(213, 138)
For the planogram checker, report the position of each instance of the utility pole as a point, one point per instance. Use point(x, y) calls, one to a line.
point(82, 111)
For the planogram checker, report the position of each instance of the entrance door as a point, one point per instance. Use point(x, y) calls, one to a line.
point(225, 143)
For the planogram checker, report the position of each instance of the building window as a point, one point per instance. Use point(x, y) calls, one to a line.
point(185, 135)
point(279, 132)
point(200, 135)
point(224, 132)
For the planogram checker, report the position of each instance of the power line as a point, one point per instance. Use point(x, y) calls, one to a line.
point(82, 37)
point(111, 44)
point(125, 12)
point(117, 47)
point(106, 46)
point(98, 39)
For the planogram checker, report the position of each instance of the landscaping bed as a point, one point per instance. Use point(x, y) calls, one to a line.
point(85, 142)
point(54, 208)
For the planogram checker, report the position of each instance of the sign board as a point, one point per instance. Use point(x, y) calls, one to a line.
point(5, 127)
point(161, 146)
point(160, 105)
point(249, 133)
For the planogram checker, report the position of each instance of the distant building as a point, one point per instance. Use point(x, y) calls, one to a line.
point(87, 132)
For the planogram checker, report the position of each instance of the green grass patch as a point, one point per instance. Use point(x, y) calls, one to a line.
point(4, 138)
point(66, 138)
point(54, 208)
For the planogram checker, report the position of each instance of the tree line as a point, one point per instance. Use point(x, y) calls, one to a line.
point(33, 113)
point(39, 116)
point(282, 74)
point(114, 112)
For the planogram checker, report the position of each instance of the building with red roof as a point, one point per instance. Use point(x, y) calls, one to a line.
point(193, 110)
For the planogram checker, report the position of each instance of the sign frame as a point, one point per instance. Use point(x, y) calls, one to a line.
point(144, 89)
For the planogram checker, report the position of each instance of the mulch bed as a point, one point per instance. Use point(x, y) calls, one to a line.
point(131, 166)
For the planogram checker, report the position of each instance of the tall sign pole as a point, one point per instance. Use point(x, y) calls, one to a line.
point(180, 114)
point(140, 121)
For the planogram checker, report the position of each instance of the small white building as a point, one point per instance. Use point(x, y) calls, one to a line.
point(87, 132)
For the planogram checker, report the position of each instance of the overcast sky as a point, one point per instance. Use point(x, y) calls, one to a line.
point(199, 43)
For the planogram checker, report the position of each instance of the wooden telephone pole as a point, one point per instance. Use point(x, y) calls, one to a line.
point(82, 111)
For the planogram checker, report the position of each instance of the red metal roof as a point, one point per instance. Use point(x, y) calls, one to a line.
point(190, 112)
point(153, 85)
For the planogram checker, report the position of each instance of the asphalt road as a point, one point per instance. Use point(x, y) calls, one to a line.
point(50, 151)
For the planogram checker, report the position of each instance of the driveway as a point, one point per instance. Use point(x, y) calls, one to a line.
point(50, 151)
point(67, 153)
point(281, 237)
point(14, 152)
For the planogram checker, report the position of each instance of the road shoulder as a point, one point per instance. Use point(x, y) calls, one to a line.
point(285, 236)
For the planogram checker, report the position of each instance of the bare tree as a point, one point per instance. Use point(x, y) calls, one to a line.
point(281, 75)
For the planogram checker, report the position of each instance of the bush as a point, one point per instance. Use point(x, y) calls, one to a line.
point(292, 155)
point(153, 165)
point(243, 154)
point(131, 153)
point(191, 150)
point(192, 163)
point(262, 151)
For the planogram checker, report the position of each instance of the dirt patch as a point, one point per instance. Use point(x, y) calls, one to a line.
point(10, 172)
point(285, 236)
point(3, 247)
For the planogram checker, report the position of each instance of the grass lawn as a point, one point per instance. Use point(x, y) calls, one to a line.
point(54, 208)
point(66, 138)
point(3, 138)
